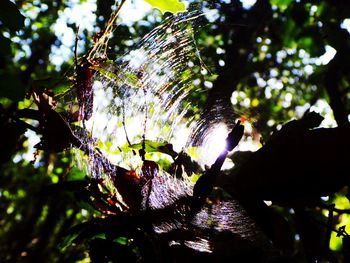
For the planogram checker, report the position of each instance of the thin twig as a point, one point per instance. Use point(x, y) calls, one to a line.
point(337, 210)
point(28, 126)
point(329, 229)
point(76, 48)
point(106, 32)
point(124, 125)
point(28, 113)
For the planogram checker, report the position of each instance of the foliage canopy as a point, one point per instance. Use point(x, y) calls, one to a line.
point(270, 64)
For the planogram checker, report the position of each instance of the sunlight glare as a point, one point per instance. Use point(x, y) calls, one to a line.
point(214, 144)
point(134, 11)
point(328, 55)
point(346, 24)
point(247, 4)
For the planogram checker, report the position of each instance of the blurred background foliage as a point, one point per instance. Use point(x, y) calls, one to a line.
point(271, 61)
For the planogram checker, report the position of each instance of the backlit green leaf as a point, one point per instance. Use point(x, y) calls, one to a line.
point(153, 146)
point(173, 6)
point(281, 4)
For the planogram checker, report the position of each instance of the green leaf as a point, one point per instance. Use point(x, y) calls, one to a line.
point(10, 15)
point(121, 240)
point(173, 6)
point(75, 174)
point(281, 4)
point(310, 39)
point(80, 232)
point(152, 146)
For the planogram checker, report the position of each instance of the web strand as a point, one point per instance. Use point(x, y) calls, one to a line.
point(99, 48)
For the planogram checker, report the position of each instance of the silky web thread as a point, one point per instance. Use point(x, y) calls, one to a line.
point(151, 84)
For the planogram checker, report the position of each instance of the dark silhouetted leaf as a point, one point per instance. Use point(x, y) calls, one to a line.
point(346, 248)
point(11, 87)
point(10, 15)
point(297, 163)
point(102, 250)
point(57, 135)
point(184, 162)
point(11, 132)
point(205, 183)
point(5, 45)
point(83, 84)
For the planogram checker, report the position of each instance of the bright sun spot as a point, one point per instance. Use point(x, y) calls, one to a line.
point(346, 24)
point(214, 143)
point(134, 11)
point(328, 55)
point(248, 3)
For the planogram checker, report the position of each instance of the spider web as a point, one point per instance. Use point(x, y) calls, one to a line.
point(149, 84)
point(141, 96)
